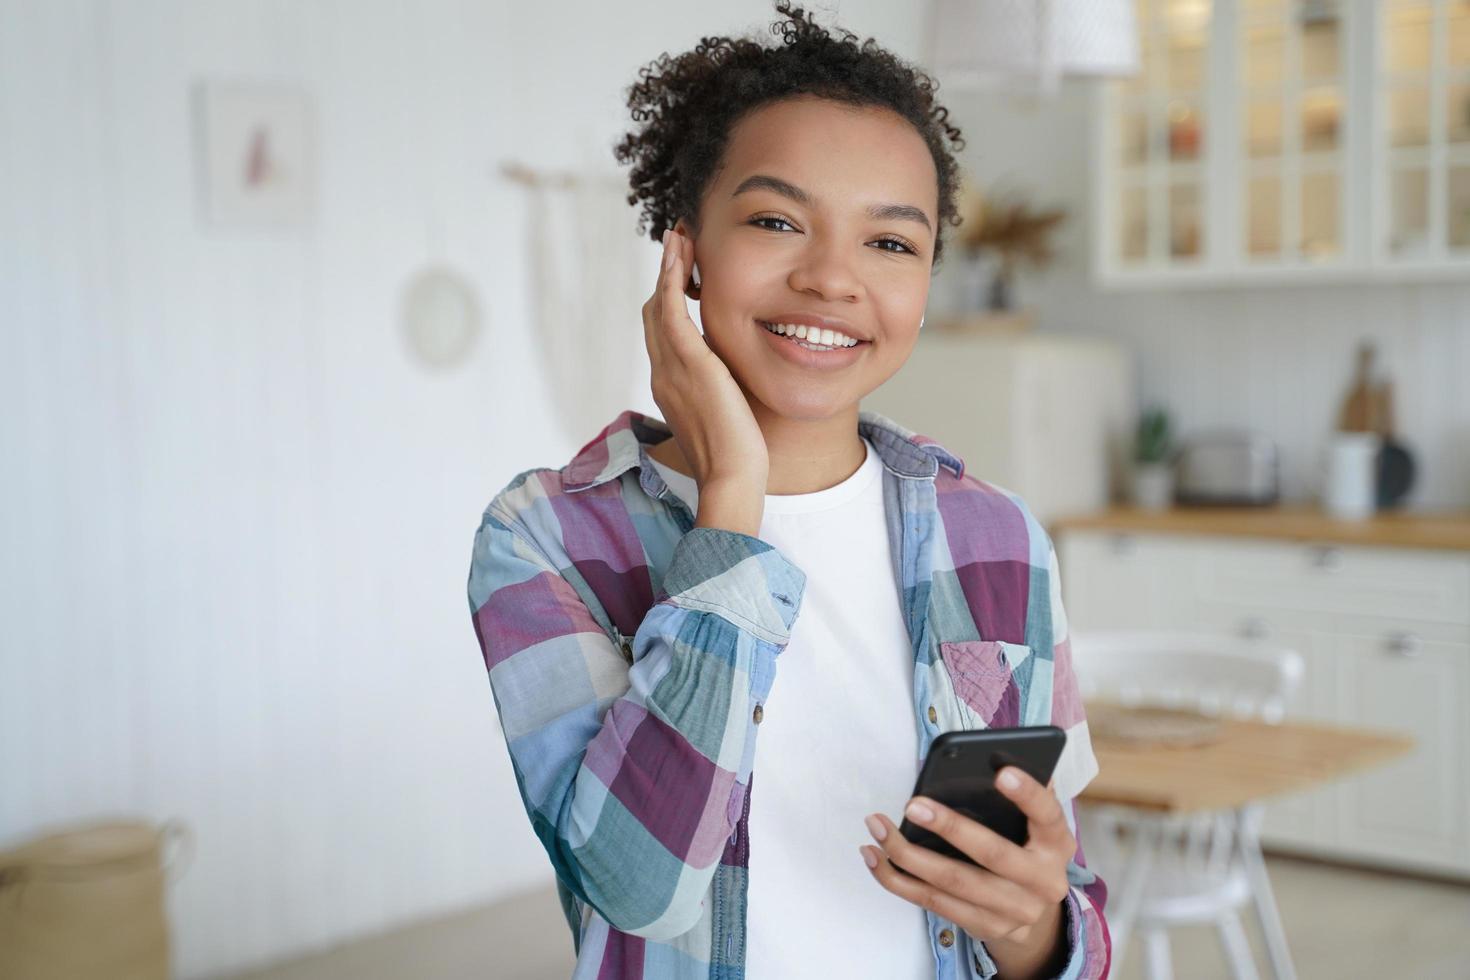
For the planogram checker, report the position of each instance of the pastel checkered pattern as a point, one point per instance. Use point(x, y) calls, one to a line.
point(628, 652)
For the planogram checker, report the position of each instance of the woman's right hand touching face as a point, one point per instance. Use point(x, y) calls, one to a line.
point(703, 406)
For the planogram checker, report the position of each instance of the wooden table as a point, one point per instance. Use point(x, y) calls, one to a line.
point(1231, 776)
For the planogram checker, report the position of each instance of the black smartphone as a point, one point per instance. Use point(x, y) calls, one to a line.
point(959, 772)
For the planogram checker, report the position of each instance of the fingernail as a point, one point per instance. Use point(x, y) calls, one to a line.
point(875, 827)
point(1009, 780)
point(868, 858)
point(669, 255)
point(919, 813)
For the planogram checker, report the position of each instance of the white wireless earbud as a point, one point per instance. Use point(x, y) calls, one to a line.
point(695, 270)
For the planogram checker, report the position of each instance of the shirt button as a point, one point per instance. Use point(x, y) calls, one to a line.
point(946, 938)
point(758, 714)
point(933, 715)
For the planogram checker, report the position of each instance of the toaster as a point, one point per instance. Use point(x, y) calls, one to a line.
point(1228, 468)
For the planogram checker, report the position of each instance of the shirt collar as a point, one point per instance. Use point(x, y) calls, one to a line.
point(621, 444)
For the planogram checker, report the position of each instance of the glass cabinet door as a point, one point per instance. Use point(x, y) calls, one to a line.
point(1292, 155)
point(1288, 140)
point(1423, 81)
point(1158, 139)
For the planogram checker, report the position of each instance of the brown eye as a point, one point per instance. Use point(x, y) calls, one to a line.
point(757, 222)
point(903, 245)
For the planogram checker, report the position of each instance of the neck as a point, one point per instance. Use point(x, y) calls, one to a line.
point(806, 455)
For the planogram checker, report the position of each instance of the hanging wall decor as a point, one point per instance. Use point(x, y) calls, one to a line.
point(440, 317)
point(256, 155)
point(590, 275)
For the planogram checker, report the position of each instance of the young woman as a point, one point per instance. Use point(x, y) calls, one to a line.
point(771, 580)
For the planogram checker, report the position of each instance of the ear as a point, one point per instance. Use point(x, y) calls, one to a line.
point(692, 278)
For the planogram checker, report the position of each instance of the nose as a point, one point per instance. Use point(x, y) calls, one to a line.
point(824, 271)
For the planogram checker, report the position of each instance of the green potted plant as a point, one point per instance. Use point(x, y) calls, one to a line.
point(1153, 466)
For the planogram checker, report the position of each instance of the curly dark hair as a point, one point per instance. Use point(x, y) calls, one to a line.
point(689, 103)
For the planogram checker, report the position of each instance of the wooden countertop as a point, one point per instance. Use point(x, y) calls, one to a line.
point(1444, 531)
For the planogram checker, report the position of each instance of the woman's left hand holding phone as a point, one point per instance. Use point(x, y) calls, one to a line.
point(1014, 902)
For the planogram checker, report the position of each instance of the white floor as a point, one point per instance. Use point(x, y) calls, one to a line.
point(1341, 922)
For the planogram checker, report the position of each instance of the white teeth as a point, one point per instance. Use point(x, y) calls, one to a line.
point(826, 338)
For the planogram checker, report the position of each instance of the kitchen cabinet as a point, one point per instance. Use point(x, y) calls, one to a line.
point(1415, 809)
point(1111, 578)
point(1385, 636)
point(1287, 141)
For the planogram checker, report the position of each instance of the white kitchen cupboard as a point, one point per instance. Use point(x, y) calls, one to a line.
point(1287, 141)
point(1385, 633)
point(1116, 577)
point(1417, 808)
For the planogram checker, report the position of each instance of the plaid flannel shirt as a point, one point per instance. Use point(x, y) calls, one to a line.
point(629, 654)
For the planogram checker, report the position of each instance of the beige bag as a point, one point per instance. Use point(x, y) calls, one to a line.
point(87, 903)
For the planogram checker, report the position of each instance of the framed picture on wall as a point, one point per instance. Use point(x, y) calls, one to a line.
point(256, 155)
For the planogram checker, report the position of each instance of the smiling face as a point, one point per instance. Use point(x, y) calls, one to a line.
point(819, 210)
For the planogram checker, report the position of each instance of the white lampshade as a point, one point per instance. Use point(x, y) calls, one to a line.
point(984, 42)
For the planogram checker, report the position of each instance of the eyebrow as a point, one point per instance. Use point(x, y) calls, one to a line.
point(883, 212)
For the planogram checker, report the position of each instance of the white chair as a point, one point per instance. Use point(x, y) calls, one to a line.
point(1199, 867)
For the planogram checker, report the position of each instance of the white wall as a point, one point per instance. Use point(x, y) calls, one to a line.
point(1278, 359)
point(235, 521)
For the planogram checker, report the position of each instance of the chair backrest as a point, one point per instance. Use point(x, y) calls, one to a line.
point(1217, 674)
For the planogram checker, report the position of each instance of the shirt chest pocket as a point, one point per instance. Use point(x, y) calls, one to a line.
point(983, 675)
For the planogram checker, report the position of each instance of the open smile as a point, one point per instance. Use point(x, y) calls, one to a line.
point(812, 338)
point(817, 351)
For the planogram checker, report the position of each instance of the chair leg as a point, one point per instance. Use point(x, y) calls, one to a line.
point(1237, 948)
point(1145, 844)
point(1156, 955)
point(1248, 846)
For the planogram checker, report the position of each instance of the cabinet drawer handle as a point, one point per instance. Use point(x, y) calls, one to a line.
point(1253, 628)
point(1326, 557)
point(1403, 644)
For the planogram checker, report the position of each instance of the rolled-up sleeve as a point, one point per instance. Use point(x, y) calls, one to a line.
point(633, 774)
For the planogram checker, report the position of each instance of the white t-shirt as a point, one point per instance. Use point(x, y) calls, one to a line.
point(838, 740)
